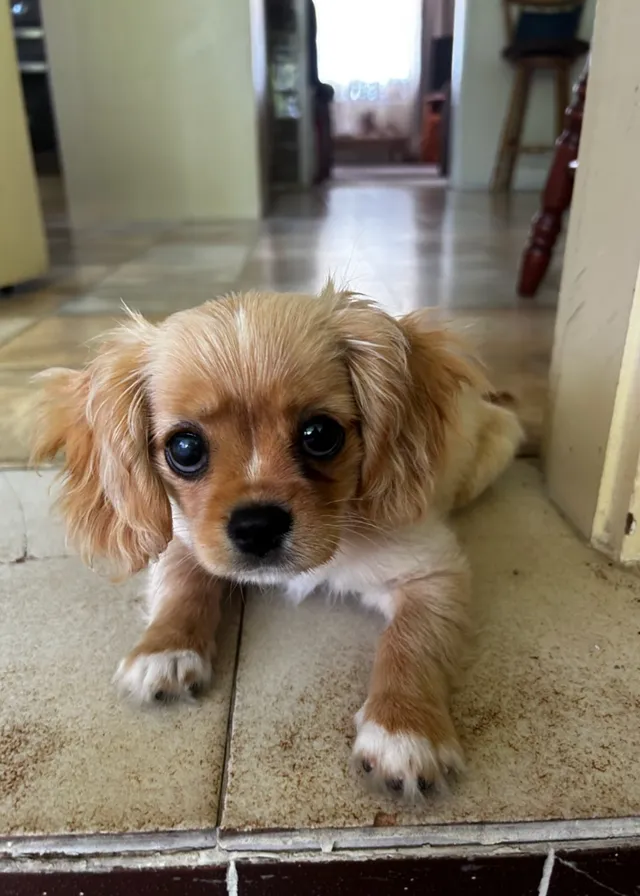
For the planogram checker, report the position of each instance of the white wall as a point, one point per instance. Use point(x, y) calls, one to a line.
point(156, 108)
point(481, 86)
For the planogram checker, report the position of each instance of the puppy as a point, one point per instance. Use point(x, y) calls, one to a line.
point(290, 440)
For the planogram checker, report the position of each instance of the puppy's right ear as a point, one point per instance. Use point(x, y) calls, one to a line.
point(111, 497)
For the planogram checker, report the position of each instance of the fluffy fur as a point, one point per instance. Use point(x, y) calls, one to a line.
point(420, 440)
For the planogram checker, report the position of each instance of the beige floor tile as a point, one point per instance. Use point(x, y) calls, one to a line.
point(162, 295)
point(221, 262)
point(150, 289)
point(218, 233)
point(56, 341)
point(12, 326)
point(69, 279)
point(73, 758)
point(13, 535)
point(312, 285)
point(544, 713)
point(99, 247)
point(28, 526)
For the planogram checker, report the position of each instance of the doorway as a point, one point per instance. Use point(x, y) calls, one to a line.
point(390, 72)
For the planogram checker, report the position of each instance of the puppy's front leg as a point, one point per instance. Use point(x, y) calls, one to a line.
point(406, 739)
point(173, 659)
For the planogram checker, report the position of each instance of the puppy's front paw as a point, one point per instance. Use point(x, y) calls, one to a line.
point(163, 676)
point(403, 764)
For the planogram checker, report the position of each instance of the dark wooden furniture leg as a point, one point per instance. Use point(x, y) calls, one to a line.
point(556, 197)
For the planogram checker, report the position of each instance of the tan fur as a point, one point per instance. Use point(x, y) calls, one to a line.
point(111, 497)
point(417, 659)
point(245, 372)
point(188, 616)
point(406, 378)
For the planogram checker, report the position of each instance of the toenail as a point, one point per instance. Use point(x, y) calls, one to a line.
point(366, 765)
point(423, 785)
point(159, 695)
point(395, 784)
point(194, 689)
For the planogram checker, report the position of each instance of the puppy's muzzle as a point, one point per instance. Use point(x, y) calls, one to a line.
point(257, 530)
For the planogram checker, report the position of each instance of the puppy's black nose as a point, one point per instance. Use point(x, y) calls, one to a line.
point(258, 528)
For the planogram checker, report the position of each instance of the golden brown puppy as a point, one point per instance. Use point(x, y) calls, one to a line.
point(292, 440)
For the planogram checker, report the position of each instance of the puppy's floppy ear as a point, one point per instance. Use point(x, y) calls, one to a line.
point(112, 499)
point(406, 378)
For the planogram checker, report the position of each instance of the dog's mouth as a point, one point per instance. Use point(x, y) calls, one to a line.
point(277, 567)
point(272, 569)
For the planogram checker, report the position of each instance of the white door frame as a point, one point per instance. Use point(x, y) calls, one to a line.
point(593, 440)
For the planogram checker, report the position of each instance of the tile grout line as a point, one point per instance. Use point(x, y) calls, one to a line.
point(230, 718)
point(232, 878)
point(479, 834)
point(547, 871)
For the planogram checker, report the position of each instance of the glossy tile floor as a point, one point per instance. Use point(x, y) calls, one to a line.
point(545, 709)
point(405, 241)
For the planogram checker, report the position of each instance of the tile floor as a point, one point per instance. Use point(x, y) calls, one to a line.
point(406, 242)
point(545, 709)
point(543, 713)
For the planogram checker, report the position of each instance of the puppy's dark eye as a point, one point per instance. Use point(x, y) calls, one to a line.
point(321, 437)
point(186, 453)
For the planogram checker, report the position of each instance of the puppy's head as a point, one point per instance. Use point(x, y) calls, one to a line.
point(263, 428)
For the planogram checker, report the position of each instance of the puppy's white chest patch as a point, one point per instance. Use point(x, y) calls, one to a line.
point(302, 586)
point(339, 581)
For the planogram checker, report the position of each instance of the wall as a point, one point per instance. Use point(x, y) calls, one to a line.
point(481, 85)
point(23, 253)
point(155, 107)
point(261, 90)
point(593, 442)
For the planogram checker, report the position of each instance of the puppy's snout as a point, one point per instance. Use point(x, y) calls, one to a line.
point(257, 529)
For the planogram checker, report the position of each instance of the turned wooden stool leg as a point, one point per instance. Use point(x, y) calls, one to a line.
point(556, 198)
point(563, 95)
point(510, 139)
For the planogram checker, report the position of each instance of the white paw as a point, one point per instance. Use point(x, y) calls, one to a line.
point(164, 676)
point(405, 764)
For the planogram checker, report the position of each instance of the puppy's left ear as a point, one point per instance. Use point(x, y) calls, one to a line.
point(406, 378)
point(113, 501)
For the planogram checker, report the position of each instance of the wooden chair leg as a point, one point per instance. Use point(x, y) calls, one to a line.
point(510, 139)
point(556, 198)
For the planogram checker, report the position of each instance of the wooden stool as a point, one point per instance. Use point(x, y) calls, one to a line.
point(556, 198)
point(527, 56)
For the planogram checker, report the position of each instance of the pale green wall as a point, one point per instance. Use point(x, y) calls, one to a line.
point(156, 108)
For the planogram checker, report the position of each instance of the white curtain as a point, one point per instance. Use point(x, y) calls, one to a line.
point(370, 53)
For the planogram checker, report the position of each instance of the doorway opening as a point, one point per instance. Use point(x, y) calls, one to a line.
point(390, 72)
